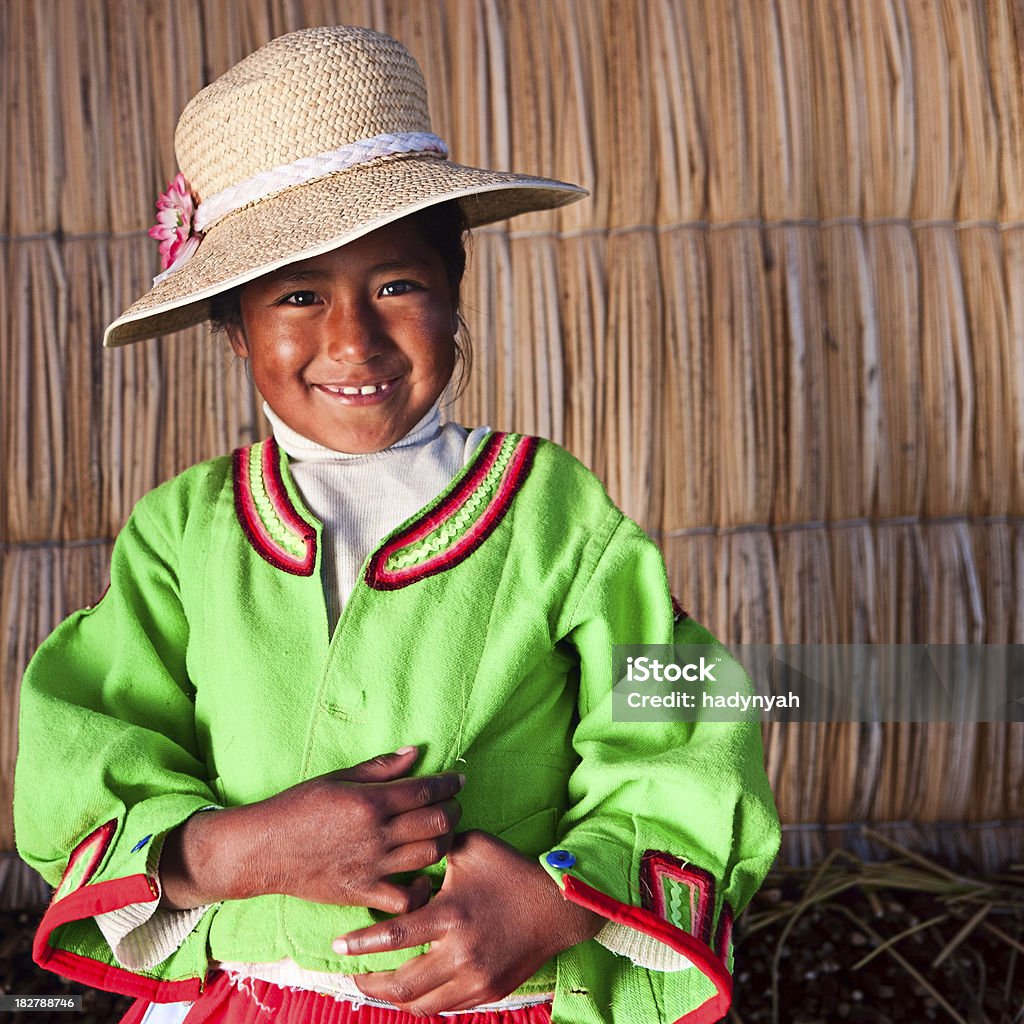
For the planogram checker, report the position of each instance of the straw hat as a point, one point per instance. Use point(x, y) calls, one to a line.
point(317, 138)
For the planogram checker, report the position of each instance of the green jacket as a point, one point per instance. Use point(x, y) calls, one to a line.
point(480, 630)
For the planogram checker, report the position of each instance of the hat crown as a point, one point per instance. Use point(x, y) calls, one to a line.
point(305, 93)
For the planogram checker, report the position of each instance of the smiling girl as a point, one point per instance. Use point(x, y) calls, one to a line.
point(338, 741)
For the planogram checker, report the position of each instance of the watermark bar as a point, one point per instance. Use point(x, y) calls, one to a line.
point(48, 1004)
point(819, 683)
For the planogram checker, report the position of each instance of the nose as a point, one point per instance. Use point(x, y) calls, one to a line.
point(352, 334)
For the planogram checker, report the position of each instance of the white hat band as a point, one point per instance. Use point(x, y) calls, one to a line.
point(309, 168)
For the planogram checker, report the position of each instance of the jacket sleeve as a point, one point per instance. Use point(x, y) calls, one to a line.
point(108, 763)
point(671, 825)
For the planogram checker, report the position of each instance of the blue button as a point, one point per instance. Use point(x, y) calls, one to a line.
point(141, 843)
point(561, 859)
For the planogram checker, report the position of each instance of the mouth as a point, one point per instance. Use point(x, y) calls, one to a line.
point(358, 393)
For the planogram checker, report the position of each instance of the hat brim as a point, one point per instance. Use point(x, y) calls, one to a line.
point(319, 216)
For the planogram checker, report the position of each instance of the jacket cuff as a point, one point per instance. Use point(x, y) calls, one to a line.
point(142, 935)
point(679, 924)
point(108, 877)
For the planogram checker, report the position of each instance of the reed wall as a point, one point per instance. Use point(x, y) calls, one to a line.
point(787, 329)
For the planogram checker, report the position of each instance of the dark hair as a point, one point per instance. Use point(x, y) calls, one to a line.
point(442, 226)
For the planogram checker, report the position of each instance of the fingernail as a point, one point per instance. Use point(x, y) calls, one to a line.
point(340, 946)
point(462, 779)
point(405, 750)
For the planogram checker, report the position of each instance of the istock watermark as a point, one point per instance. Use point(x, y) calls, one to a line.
point(819, 682)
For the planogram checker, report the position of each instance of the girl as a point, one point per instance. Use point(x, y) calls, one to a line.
point(228, 835)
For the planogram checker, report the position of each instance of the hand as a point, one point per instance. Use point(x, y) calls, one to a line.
point(334, 839)
point(496, 920)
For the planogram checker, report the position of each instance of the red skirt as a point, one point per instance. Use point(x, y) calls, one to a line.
point(259, 1002)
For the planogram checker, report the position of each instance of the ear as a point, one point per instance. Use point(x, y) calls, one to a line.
point(236, 337)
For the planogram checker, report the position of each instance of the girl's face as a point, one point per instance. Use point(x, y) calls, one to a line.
point(353, 347)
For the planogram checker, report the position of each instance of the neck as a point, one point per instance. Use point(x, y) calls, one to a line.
point(299, 448)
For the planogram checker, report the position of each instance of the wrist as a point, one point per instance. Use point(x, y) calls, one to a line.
point(580, 924)
point(569, 923)
point(204, 860)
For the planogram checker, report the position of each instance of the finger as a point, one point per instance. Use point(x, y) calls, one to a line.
point(410, 929)
point(425, 985)
point(425, 822)
point(393, 898)
point(382, 768)
point(417, 856)
point(403, 795)
point(408, 985)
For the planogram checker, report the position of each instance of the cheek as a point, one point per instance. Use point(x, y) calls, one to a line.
point(280, 356)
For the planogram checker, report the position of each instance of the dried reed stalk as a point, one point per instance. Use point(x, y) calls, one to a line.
point(481, 123)
point(538, 392)
point(82, 90)
point(947, 377)
point(733, 156)
point(626, 48)
point(678, 73)
point(974, 111)
point(31, 71)
point(86, 263)
point(850, 333)
point(784, 119)
point(890, 157)
point(895, 282)
point(992, 544)
point(689, 470)
point(584, 317)
point(632, 385)
point(584, 130)
point(530, 36)
point(746, 600)
point(801, 434)
point(745, 403)
point(1005, 50)
point(1013, 259)
point(33, 406)
point(838, 109)
point(991, 359)
point(934, 128)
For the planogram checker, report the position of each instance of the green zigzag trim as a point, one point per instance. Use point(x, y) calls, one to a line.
point(452, 528)
point(678, 909)
point(272, 522)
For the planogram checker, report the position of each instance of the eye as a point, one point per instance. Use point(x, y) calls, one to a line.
point(299, 299)
point(393, 288)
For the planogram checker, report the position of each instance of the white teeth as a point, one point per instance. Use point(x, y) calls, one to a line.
point(365, 389)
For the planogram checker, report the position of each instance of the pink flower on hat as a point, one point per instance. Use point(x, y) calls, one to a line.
point(173, 229)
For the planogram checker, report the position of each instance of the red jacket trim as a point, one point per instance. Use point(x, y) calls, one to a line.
point(643, 920)
point(89, 901)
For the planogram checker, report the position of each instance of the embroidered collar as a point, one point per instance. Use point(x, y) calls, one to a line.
point(444, 534)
